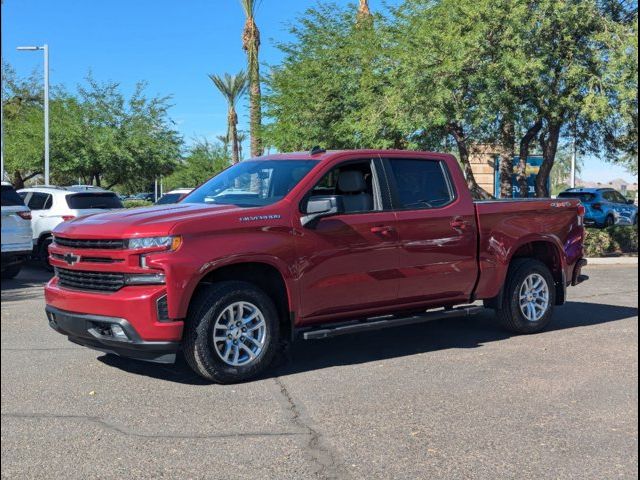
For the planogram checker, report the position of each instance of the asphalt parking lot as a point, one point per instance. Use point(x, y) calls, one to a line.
point(451, 399)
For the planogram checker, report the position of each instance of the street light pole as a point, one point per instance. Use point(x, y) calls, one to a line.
point(45, 49)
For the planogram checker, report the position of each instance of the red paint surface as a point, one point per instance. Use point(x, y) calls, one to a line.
point(348, 266)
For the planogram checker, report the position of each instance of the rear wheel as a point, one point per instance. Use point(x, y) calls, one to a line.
point(529, 297)
point(11, 272)
point(232, 332)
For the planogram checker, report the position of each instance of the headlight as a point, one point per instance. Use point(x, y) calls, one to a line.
point(155, 243)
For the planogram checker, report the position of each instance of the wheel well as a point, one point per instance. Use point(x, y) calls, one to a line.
point(264, 276)
point(545, 252)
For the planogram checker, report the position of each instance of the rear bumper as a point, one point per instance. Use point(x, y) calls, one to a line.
point(95, 331)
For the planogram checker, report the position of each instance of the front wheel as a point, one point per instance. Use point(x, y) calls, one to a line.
point(529, 297)
point(231, 333)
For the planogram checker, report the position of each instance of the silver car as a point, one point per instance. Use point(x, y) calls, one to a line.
point(16, 231)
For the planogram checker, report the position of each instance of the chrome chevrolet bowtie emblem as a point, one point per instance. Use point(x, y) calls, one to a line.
point(70, 258)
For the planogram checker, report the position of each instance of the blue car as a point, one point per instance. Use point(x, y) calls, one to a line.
point(605, 206)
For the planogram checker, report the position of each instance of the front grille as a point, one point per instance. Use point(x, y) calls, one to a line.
point(95, 281)
point(94, 244)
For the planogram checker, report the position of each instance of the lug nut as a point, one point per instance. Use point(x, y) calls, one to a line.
point(235, 342)
point(242, 338)
point(244, 329)
point(229, 336)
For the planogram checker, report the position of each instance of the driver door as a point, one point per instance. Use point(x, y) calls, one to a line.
point(349, 261)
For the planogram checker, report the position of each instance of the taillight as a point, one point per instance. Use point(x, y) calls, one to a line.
point(581, 213)
point(597, 206)
point(66, 218)
point(24, 215)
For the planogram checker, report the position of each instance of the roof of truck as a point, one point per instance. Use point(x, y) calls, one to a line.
point(321, 154)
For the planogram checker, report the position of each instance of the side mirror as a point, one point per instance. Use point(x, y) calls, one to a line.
point(320, 207)
point(631, 202)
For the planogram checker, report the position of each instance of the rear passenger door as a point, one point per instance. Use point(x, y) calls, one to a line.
point(436, 230)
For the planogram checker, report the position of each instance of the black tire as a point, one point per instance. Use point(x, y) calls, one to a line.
point(510, 313)
point(43, 253)
point(11, 272)
point(609, 221)
point(198, 345)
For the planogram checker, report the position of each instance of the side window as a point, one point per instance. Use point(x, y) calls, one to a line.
point(609, 197)
point(620, 198)
point(39, 201)
point(421, 184)
point(355, 182)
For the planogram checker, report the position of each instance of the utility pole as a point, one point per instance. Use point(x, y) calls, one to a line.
point(45, 49)
point(574, 158)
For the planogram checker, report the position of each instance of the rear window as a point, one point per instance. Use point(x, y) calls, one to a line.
point(582, 196)
point(421, 184)
point(9, 197)
point(87, 201)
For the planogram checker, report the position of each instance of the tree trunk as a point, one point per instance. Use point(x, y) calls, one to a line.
point(18, 181)
point(457, 132)
point(525, 145)
point(233, 135)
point(506, 159)
point(251, 45)
point(549, 142)
point(97, 177)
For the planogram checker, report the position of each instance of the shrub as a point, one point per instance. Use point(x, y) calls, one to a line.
point(136, 203)
point(612, 240)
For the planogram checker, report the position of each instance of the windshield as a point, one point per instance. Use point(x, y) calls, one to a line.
point(583, 196)
point(86, 201)
point(170, 198)
point(252, 183)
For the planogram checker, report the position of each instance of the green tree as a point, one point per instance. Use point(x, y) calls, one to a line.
point(203, 161)
point(331, 88)
point(232, 87)
point(251, 45)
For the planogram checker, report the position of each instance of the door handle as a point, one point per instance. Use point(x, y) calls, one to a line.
point(385, 231)
point(458, 223)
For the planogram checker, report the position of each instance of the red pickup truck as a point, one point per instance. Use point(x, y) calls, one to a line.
point(307, 245)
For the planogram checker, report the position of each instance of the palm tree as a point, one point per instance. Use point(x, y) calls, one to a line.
point(251, 45)
point(232, 88)
point(364, 12)
point(242, 136)
point(224, 140)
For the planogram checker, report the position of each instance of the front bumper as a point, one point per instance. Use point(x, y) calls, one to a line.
point(95, 331)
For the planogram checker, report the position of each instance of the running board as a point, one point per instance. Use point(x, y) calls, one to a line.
point(386, 322)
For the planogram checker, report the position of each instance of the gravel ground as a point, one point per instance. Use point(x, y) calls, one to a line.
point(449, 399)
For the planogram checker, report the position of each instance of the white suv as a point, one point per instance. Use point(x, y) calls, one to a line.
point(16, 231)
point(51, 206)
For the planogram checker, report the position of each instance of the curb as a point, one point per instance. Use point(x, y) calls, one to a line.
point(613, 261)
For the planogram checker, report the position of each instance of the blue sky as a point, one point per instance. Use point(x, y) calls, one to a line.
point(171, 44)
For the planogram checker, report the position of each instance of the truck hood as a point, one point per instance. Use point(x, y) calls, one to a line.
point(137, 222)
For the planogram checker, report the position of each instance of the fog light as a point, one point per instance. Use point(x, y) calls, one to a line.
point(118, 332)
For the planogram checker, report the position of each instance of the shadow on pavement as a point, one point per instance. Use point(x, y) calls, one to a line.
point(390, 343)
point(31, 276)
